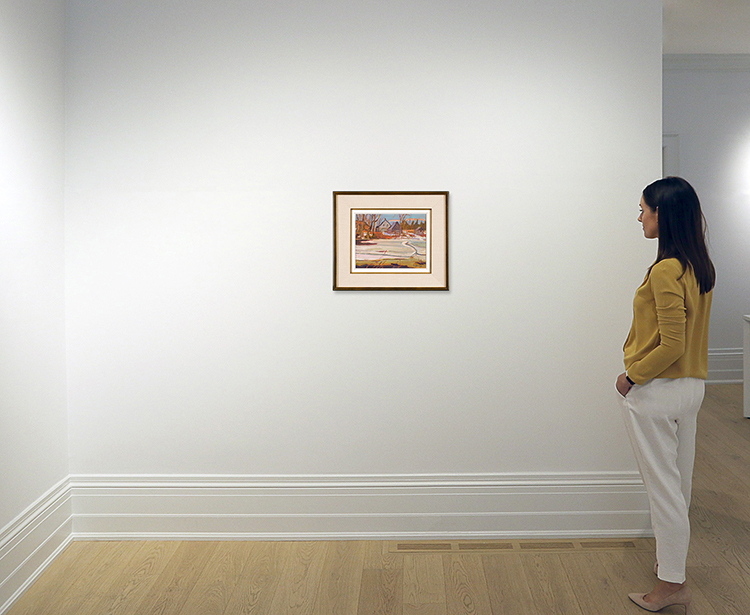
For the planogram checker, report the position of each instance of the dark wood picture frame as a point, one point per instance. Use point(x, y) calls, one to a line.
point(390, 240)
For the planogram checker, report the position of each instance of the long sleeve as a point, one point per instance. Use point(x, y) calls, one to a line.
point(669, 334)
point(668, 293)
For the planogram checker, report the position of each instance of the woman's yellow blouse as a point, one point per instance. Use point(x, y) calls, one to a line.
point(669, 334)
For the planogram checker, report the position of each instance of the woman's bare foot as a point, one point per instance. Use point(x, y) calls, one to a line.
point(662, 591)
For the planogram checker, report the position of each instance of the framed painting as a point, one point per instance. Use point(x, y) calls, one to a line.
point(390, 241)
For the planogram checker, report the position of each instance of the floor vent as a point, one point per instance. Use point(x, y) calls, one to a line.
point(547, 546)
point(522, 546)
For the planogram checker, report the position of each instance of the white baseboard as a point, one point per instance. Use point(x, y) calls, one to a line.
point(32, 541)
point(611, 504)
point(725, 366)
point(359, 507)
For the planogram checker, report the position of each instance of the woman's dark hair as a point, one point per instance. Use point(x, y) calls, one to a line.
point(682, 228)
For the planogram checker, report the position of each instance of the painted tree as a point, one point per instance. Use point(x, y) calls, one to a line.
point(366, 225)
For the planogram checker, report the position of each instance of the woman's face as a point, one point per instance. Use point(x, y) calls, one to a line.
point(649, 218)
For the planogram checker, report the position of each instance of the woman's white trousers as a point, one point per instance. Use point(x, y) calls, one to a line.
point(661, 417)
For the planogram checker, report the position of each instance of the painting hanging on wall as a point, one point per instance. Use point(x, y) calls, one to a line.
point(390, 241)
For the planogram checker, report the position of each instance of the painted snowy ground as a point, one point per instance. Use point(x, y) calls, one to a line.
point(404, 252)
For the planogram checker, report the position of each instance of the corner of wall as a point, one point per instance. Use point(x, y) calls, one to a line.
point(33, 540)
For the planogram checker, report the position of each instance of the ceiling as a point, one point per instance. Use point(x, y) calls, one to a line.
point(706, 26)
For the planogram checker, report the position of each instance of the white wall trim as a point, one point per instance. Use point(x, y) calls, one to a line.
point(725, 366)
point(30, 542)
point(307, 507)
point(706, 61)
point(377, 507)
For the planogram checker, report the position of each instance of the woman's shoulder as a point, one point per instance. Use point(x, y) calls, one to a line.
point(667, 272)
point(669, 267)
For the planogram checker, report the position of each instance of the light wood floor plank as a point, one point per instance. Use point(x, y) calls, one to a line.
point(301, 577)
point(424, 609)
point(177, 579)
point(424, 584)
point(507, 584)
point(379, 557)
point(726, 403)
point(705, 542)
point(215, 587)
point(152, 560)
point(381, 592)
point(96, 587)
point(381, 585)
point(465, 585)
point(338, 593)
point(700, 603)
point(720, 530)
point(550, 585)
point(591, 583)
point(726, 443)
point(733, 541)
point(725, 593)
point(128, 580)
point(719, 474)
point(260, 577)
point(627, 572)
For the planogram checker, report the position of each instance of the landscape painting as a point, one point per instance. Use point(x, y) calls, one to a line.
point(391, 240)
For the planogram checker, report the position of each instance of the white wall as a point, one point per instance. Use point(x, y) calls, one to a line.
point(33, 426)
point(707, 105)
point(35, 512)
point(204, 142)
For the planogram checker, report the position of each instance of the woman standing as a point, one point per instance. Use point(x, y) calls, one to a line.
point(666, 362)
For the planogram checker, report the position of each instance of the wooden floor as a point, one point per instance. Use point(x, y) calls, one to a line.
point(367, 578)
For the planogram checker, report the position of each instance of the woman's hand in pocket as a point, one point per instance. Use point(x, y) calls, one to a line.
point(622, 385)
